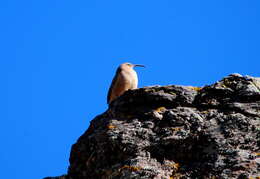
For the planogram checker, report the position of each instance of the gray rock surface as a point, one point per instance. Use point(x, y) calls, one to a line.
point(171, 132)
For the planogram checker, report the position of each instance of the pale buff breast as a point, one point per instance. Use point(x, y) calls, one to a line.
point(126, 79)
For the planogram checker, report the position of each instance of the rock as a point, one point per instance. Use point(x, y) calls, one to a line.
point(174, 132)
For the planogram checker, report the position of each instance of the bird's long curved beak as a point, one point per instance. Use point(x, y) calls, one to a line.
point(138, 65)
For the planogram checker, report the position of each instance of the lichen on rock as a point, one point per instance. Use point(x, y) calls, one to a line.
point(175, 132)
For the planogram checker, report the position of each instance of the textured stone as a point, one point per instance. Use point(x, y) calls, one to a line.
point(174, 132)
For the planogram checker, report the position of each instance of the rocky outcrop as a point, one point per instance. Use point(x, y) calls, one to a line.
point(175, 132)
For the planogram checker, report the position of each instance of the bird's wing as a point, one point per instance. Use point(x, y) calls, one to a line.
point(112, 85)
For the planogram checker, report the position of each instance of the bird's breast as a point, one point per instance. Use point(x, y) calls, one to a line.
point(130, 80)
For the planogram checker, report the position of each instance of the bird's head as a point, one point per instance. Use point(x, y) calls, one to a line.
point(130, 65)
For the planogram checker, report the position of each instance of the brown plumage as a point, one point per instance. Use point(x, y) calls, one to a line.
point(125, 79)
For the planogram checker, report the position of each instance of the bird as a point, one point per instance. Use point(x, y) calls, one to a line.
point(125, 79)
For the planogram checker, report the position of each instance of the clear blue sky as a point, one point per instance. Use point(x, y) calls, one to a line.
point(58, 58)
